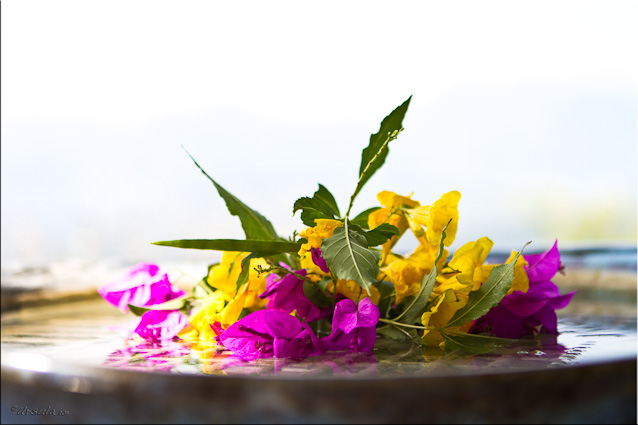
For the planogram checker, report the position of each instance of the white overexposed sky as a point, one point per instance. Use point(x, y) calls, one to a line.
point(529, 109)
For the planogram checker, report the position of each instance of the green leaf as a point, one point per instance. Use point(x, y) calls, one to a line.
point(395, 332)
point(414, 311)
point(255, 225)
point(379, 234)
point(488, 295)
point(386, 297)
point(321, 205)
point(267, 247)
point(311, 209)
point(361, 220)
point(463, 343)
point(174, 304)
point(314, 292)
point(138, 311)
point(324, 282)
point(245, 269)
point(326, 197)
point(373, 157)
point(348, 257)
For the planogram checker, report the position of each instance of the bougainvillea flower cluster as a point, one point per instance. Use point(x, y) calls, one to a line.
point(339, 284)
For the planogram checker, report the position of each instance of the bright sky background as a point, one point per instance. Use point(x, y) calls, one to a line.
point(529, 109)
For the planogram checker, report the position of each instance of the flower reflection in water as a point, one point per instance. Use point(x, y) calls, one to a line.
point(393, 358)
point(152, 357)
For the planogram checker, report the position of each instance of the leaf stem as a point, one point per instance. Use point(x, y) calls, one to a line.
point(392, 322)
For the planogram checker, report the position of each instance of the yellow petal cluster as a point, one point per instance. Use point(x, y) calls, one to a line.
point(324, 227)
point(391, 213)
point(443, 309)
point(465, 272)
point(223, 277)
point(351, 289)
point(213, 311)
point(434, 218)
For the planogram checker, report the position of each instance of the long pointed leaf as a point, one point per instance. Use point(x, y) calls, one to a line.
point(373, 157)
point(488, 295)
point(255, 225)
point(268, 247)
point(414, 310)
point(463, 343)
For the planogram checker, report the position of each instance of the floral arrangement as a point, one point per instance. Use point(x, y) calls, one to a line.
point(337, 284)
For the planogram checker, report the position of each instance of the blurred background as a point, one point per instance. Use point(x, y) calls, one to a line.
point(528, 109)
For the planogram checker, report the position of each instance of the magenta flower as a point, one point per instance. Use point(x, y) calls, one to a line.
point(270, 333)
point(287, 294)
point(317, 258)
point(140, 286)
point(531, 312)
point(148, 356)
point(353, 327)
point(158, 325)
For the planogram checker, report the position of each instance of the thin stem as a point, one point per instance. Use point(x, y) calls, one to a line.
point(392, 322)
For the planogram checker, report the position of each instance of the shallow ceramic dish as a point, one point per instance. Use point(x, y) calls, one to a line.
point(69, 363)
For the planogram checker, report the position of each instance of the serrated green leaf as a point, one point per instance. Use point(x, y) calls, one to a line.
point(379, 234)
point(266, 247)
point(311, 209)
point(463, 343)
point(314, 292)
point(326, 197)
point(488, 295)
point(348, 257)
point(361, 220)
point(373, 157)
point(255, 225)
point(414, 311)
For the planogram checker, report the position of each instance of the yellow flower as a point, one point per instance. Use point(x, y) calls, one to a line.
point(212, 312)
point(520, 282)
point(392, 215)
point(224, 278)
point(443, 309)
point(405, 277)
point(314, 272)
point(424, 256)
point(434, 217)
point(467, 271)
point(352, 290)
point(406, 274)
point(468, 260)
point(323, 229)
